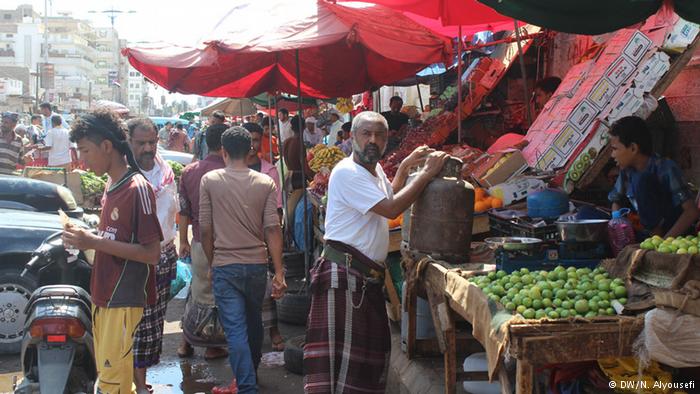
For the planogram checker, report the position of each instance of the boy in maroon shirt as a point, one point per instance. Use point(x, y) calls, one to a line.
point(127, 247)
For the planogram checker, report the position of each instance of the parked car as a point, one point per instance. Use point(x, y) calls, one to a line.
point(179, 157)
point(35, 195)
point(21, 232)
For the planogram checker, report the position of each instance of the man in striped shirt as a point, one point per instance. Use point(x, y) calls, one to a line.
point(11, 147)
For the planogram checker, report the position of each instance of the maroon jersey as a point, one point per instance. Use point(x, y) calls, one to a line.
point(128, 215)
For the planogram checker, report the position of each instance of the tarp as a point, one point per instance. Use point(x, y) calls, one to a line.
point(450, 12)
point(343, 50)
point(590, 17)
point(230, 107)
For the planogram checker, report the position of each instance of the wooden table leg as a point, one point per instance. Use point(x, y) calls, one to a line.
point(450, 353)
point(524, 377)
point(411, 300)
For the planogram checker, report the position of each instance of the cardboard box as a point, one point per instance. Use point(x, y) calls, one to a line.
point(626, 104)
point(550, 160)
point(620, 71)
point(651, 70)
point(682, 35)
point(516, 189)
point(512, 163)
point(601, 93)
point(583, 115)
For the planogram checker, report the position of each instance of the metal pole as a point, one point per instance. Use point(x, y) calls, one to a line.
point(285, 217)
point(459, 86)
point(302, 151)
point(523, 72)
point(420, 97)
point(269, 118)
point(240, 102)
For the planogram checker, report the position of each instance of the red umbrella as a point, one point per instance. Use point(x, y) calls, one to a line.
point(343, 49)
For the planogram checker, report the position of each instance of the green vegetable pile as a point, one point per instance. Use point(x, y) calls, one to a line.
point(92, 185)
point(177, 169)
point(560, 293)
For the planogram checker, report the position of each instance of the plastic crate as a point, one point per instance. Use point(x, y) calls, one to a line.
point(515, 227)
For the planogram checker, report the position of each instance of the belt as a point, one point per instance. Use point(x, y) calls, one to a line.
point(346, 259)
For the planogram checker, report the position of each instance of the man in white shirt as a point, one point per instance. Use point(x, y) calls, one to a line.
point(57, 142)
point(333, 128)
point(148, 339)
point(46, 110)
point(347, 305)
point(312, 135)
point(285, 125)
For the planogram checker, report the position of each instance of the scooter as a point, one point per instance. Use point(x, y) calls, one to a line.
point(58, 354)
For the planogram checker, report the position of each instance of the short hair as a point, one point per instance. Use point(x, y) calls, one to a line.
point(213, 136)
point(284, 111)
point(140, 123)
point(236, 142)
point(633, 130)
point(56, 120)
point(180, 126)
point(368, 116)
point(46, 106)
point(259, 114)
point(548, 85)
point(295, 123)
point(35, 117)
point(395, 98)
point(347, 126)
point(253, 127)
point(219, 114)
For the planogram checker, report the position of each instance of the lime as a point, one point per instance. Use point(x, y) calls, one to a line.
point(546, 293)
point(529, 313)
point(553, 315)
point(562, 275)
point(604, 285)
point(557, 302)
point(682, 251)
point(527, 279)
point(581, 306)
point(603, 295)
point(620, 291)
point(590, 314)
point(601, 312)
point(604, 304)
point(501, 274)
point(540, 314)
point(524, 271)
point(535, 293)
point(622, 300)
point(593, 305)
point(491, 275)
point(591, 293)
point(495, 298)
point(527, 301)
point(560, 268)
point(515, 279)
point(595, 298)
point(537, 304)
point(567, 304)
point(499, 290)
point(610, 311)
point(564, 313)
point(664, 249)
point(656, 242)
point(548, 309)
point(520, 309)
point(561, 294)
point(547, 302)
point(510, 306)
point(693, 250)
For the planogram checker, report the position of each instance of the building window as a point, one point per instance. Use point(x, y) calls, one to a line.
point(7, 16)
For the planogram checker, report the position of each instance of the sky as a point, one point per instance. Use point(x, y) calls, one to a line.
point(174, 21)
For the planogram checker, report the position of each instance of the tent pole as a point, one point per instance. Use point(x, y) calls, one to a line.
point(523, 73)
point(420, 97)
point(302, 151)
point(241, 104)
point(459, 86)
point(285, 214)
point(269, 118)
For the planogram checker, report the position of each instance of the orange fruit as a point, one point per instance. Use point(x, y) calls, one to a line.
point(496, 202)
point(480, 194)
point(481, 206)
point(488, 200)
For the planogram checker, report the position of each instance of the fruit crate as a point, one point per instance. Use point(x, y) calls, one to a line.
point(519, 227)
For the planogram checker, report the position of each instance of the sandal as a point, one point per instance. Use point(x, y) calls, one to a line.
point(214, 353)
point(185, 350)
point(277, 343)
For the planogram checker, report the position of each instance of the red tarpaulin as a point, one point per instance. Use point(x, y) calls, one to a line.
point(453, 31)
point(450, 12)
point(343, 49)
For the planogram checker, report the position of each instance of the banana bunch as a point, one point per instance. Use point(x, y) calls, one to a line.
point(325, 156)
point(344, 104)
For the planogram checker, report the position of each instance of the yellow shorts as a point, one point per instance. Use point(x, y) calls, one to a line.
point(113, 330)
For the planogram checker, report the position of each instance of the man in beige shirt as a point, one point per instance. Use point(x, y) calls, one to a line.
point(237, 241)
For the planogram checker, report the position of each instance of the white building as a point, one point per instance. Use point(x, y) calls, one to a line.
point(137, 90)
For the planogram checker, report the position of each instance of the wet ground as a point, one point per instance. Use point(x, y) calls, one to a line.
point(195, 375)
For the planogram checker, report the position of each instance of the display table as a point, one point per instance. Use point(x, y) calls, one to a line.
point(531, 343)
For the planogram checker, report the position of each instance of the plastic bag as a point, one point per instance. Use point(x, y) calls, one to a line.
point(299, 224)
point(669, 337)
point(183, 278)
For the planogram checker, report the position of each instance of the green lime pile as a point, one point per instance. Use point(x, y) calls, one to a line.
point(689, 244)
point(560, 293)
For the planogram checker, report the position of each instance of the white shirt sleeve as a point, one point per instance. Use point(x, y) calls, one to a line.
point(358, 191)
point(48, 141)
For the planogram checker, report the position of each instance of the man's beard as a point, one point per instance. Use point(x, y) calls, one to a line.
point(370, 155)
point(146, 161)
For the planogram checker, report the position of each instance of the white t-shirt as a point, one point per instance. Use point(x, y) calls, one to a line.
point(166, 203)
point(286, 130)
point(314, 138)
point(58, 139)
point(352, 192)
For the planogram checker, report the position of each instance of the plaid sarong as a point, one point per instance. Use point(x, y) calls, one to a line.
point(348, 341)
point(269, 306)
point(148, 339)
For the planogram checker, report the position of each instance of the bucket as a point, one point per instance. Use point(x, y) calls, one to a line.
point(476, 363)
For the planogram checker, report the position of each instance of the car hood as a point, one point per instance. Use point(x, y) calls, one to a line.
point(12, 218)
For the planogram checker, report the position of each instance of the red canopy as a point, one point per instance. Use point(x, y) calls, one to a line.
point(450, 12)
point(343, 49)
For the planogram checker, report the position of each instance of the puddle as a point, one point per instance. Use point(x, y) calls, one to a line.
point(188, 377)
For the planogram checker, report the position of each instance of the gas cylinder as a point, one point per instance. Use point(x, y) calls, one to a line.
point(441, 218)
